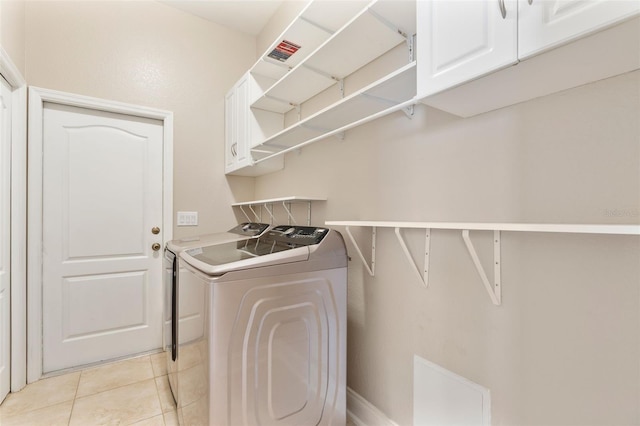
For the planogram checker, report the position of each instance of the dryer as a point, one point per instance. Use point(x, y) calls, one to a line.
point(271, 349)
point(188, 309)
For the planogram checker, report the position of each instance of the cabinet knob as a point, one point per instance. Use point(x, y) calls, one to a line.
point(155, 230)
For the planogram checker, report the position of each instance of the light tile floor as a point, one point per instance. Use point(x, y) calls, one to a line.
point(130, 392)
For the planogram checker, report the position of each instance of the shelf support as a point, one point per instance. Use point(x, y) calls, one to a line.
point(315, 24)
point(254, 212)
point(409, 111)
point(341, 87)
point(245, 214)
point(287, 208)
point(309, 213)
point(494, 290)
point(270, 211)
point(322, 73)
point(411, 46)
point(424, 275)
point(388, 23)
point(371, 269)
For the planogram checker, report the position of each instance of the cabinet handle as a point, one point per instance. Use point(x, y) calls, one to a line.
point(234, 151)
point(530, 2)
point(503, 9)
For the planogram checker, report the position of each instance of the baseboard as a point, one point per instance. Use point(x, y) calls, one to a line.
point(361, 412)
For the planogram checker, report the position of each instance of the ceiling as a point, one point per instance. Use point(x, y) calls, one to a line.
point(246, 16)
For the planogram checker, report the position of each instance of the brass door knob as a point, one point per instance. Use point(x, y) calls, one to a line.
point(155, 246)
point(155, 230)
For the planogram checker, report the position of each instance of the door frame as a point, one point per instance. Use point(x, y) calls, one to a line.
point(18, 266)
point(37, 98)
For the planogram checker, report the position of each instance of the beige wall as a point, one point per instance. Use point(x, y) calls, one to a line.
point(146, 53)
point(564, 347)
point(12, 31)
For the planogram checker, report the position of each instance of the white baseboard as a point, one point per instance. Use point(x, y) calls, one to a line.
point(361, 412)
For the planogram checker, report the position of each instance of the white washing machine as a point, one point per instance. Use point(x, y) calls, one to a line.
point(188, 309)
point(271, 349)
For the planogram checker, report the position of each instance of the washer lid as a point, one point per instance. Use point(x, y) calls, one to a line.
point(237, 233)
point(282, 244)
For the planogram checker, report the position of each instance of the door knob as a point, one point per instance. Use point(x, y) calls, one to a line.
point(155, 246)
point(155, 230)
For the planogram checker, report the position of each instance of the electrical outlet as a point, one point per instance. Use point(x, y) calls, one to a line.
point(187, 218)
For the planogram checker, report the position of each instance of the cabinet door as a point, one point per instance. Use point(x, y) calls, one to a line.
point(242, 120)
point(462, 40)
point(544, 24)
point(230, 131)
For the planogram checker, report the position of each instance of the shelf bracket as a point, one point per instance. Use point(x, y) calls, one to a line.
point(341, 87)
point(424, 275)
point(371, 269)
point(409, 111)
point(245, 214)
point(315, 24)
point(322, 73)
point(287, 208)
point(388, 23)
point(269, 211)
point(494, 290)
point(299, 111)
point(411, 46)
point(254, 213)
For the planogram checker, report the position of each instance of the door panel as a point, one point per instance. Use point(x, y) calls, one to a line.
point(463, 40)
point(102, 195)
point(550, 23)
point(5, 234)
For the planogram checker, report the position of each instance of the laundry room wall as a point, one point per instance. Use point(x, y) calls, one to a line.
point(147, 53)
point(563, 347)
point(12, 31)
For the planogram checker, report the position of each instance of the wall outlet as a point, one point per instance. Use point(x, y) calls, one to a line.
point(187, 218)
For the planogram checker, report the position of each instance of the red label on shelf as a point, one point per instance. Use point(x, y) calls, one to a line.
point(284, 50)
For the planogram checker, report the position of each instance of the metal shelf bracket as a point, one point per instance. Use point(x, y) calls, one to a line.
point(269, 208)
point(287, 208)
point(494, 289)
point(424, 274)
point(371, 269)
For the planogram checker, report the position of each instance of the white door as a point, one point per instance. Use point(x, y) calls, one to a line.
point(5, 234)
point(462, 40)
point(102, 196)
point(544, 24)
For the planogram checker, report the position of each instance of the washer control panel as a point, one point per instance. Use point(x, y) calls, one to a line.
point(299, 235)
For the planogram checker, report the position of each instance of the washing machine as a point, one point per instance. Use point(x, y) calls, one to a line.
point(188, 309)
point(271, 349)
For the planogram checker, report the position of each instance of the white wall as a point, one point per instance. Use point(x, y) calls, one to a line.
point(12, 28)
point(564, 347)
point(147, 53)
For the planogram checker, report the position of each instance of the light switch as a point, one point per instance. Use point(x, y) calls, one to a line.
point(187, 218)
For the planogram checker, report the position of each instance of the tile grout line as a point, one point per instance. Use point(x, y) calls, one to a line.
point(73, 401)
point(155, 383)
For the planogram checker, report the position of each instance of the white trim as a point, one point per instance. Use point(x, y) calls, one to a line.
point(18, 220)
point(362, 413)
point(37, 97)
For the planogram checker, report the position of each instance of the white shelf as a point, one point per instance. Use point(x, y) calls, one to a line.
point(291, 199)
point(494, 287)
point(378, 28)
point(381, 97)
point(268, 206)
point(315, 24)
point(514, 227)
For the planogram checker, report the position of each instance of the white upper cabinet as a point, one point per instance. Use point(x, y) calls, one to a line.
point(243, 128)
point(462, 40)
point(544, 24)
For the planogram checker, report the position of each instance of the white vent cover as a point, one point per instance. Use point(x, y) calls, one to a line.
point(443, 398)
